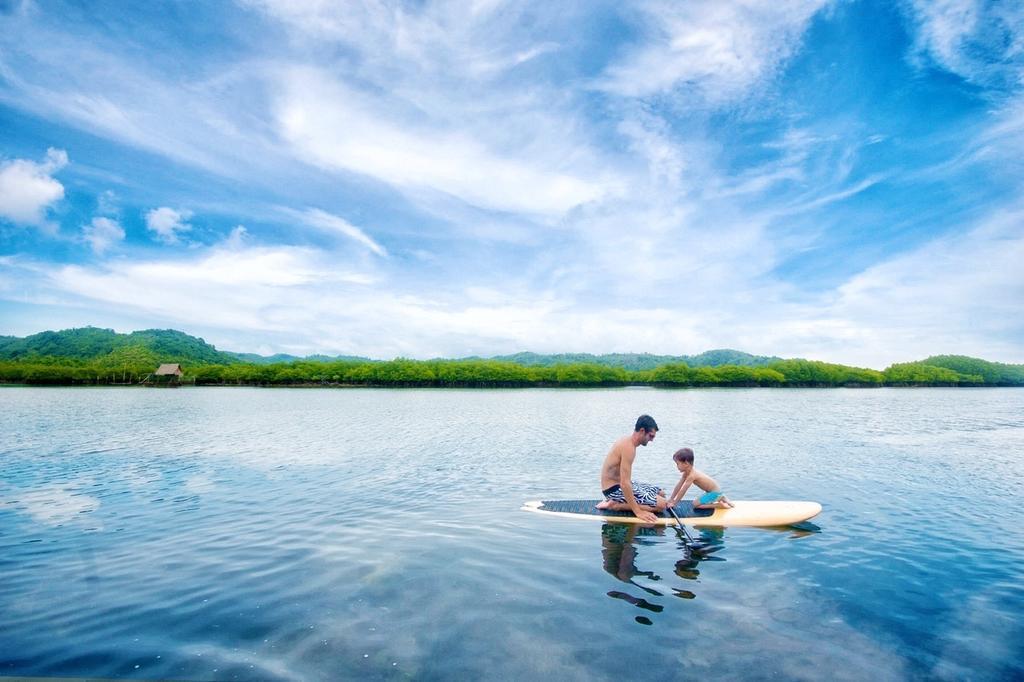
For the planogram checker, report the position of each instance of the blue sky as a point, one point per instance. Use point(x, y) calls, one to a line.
point(831, 180)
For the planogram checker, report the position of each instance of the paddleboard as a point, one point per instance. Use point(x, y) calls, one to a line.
point(744, 513)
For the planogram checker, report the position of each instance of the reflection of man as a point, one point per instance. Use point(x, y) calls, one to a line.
point(619, 553)
point(640, 498)
point(618, 550)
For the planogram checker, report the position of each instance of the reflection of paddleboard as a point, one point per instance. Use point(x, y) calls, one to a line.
point(745, 513)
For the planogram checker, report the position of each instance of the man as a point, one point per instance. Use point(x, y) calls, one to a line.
point(640, 498)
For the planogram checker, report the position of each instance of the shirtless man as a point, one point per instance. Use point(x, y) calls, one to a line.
point(640, 498)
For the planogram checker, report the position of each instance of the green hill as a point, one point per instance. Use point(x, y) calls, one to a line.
point(84, 343)
point(992, 373)
point(93, 343)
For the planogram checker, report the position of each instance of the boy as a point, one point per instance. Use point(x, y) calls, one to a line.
point(713, 498)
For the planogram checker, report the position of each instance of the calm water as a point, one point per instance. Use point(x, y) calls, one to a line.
point(207, 534)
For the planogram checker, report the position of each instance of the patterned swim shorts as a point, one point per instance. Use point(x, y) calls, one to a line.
point(645, 493)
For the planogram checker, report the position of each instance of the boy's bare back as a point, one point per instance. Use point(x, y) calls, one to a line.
point(703, 481)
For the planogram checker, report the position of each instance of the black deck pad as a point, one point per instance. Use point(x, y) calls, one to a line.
point(683, 510)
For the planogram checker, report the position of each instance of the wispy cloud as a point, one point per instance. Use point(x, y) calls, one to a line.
point(949, 294)
point(715, 50)
point(336, 225)
point(983, 42)
point(228, 286)
point(451, 178)
point(337, 128)
point(954, 294)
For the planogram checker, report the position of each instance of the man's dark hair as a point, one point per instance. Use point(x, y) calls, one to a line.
point(683, 455)
point(646, 423)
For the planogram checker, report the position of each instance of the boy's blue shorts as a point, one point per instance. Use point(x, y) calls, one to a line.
point(708, 498)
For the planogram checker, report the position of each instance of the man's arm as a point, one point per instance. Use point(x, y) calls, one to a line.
point(626, 483)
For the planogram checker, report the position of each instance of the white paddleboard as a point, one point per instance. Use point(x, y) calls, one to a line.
point(744, 513)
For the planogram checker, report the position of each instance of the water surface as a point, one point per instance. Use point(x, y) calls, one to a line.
point(208, 534)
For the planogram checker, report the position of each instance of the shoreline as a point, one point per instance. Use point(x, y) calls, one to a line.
point(344, 386)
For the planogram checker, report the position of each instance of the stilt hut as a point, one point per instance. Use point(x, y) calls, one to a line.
point(165, 375)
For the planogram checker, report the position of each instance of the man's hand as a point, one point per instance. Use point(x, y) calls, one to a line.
point(646, 516)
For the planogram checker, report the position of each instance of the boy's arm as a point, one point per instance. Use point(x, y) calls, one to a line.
point(682, 487)
point(677, 494)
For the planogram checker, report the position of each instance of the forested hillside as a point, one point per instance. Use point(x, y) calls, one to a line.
point(93, 343)
point(92, 356)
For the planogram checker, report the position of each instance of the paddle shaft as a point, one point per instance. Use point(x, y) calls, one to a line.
point(680, 524)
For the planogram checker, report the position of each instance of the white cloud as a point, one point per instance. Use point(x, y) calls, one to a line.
point(425, 114)
point(444, 41)
point(337, 128)
point(557, 218)
point(228, 286)
point(982, 42)
point(80, 77)
point(106, 204)
point(102, 233)
point(166, 223)
point(959, 294)
point(27, 189)
point(334, 224)
point(719, 50)
point(423, 104)
point(237, 239)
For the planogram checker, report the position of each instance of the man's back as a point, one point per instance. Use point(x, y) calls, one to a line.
point(610, 470)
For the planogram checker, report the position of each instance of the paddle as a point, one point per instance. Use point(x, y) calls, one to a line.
point(688, 541)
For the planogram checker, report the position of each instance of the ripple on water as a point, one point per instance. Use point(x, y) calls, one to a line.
point(327, 534)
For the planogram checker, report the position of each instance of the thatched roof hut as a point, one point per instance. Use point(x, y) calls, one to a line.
point(169, 370)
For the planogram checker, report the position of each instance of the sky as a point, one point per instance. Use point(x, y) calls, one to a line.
point(838, 181)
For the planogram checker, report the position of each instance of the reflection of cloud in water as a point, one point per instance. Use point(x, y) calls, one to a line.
point(52, 505)
point(258, 663)
point(549, 658)
point(746, 626)
point(200, 483)
point(757, 621)
point(982, 630)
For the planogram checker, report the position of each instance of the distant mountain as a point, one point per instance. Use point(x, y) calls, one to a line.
point(265, 359)
point(93, 343)
point(641, 361)
point(169, 345)
point(284, 357)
